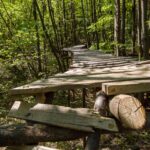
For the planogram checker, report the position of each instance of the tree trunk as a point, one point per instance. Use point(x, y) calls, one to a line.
point(52, 18)
point(117, 28)
point(140, 51)
point(54, 50)
point(74, 25)
point(123, 26)
point(84, 23)
point(37, 38)
point(134, 26)
point(95, 20)
point(95, 37)
point(25, 134)
point(144, 35)
point(64, 21)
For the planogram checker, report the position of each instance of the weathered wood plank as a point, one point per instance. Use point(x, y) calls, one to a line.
point(72, 82)
point(122, 87)
point(82, 119)
point(127, 69)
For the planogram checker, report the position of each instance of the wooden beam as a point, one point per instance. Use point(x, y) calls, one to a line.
point(81, 119)
point(123, 87)
point(80, 81)
point(22, 134)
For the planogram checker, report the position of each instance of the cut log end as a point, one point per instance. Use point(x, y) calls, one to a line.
point(128, 110)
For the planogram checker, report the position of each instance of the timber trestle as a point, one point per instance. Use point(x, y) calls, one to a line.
point(114, 77)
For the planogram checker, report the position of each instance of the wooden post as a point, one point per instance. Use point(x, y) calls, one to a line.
point(84, 97)
point(40, 98)
point(49, 97)
point(93, 141)
point(100, 106)
point(46, 98)
point(101, 103)
point(73, 95)
point(69, 98)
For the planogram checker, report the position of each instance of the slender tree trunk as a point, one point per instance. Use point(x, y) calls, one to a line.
point(123, 26)
point(74, 25)
point(54, 50)
point(52, 18)
point(99, 8)
point(64, 21)
point(140, 51)
point(95, 20)
point(60, 25)
point(37, 38)
point(7, 25)
point(117, 27)
point(144, 34)
point(84, 23)
point(134, 26)
point(8, 15)
point(45, 69)
point(91, 10)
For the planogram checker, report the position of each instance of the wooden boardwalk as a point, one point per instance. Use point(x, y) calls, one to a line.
point(89, 69)
point(92, 69)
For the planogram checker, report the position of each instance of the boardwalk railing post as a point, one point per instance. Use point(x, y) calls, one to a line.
point(84, 97)
point(100, 106)
point(93, 141)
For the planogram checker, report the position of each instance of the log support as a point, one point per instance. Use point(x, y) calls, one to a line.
point(46, 98)
point(69, 98)
point(100, 106)
point(93, 141)
point(84, 93)
point(49, 97)
point(24, 134)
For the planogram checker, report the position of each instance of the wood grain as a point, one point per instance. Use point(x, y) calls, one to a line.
point(81, 119)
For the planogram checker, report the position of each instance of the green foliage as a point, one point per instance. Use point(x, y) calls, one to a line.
point(102, 23)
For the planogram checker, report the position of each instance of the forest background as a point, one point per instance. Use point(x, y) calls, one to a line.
point(34, 32)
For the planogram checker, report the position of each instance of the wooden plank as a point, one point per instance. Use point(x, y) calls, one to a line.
point(122, 87)
point(81, 81)
point(35, 147)
point(82, 119)
point(127, 69)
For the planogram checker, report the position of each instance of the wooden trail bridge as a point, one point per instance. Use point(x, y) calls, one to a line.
point(87, 69)
point(93, 69)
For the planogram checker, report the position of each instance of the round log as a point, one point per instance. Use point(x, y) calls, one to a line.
point(128, 110)
point(24, 134)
